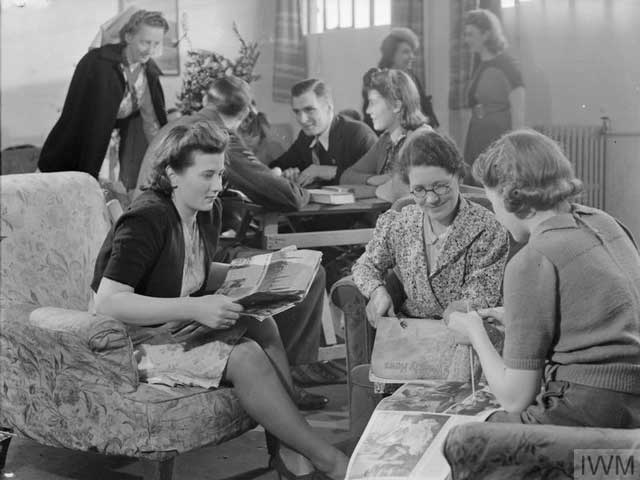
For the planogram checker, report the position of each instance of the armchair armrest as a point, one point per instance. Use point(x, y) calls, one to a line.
point(502, 450)
point(91, 349)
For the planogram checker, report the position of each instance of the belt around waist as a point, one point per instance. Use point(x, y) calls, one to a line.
point(480, 110)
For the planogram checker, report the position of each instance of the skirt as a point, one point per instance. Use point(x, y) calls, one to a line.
point(183, 353)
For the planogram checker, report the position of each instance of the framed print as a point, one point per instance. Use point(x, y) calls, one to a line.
point(169, 61)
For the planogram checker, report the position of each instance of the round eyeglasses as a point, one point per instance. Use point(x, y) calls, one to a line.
point(439, 190)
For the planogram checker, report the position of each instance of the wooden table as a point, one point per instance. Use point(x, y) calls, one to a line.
point(273, 240)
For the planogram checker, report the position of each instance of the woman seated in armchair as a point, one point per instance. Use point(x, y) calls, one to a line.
point(394, 107)
point(571, 296)
point(443, 249)
point(151, 273)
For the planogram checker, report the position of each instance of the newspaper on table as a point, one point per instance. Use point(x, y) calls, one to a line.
point(270, 283)
point(405, 435)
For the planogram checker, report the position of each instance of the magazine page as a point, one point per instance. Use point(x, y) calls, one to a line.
point(405, 435)
point(271, 283)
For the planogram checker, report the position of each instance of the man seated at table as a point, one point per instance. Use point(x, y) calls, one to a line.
point(327, 143)
point(228, 103)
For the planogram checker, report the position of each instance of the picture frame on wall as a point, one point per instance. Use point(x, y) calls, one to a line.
point(169, 60)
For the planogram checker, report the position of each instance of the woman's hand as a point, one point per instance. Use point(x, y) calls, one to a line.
point(215, 311)
point(380, 305)
point(465, 326)
point(377, 180)
point(496, 313)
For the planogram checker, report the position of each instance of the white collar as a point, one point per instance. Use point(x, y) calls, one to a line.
point(323, 139)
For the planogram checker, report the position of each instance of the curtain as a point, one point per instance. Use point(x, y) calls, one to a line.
point(290, 58)
point(461, 61)
point(410, 14)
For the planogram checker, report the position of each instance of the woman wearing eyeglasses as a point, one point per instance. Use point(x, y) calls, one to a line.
point(443, 248)
point(394, 107)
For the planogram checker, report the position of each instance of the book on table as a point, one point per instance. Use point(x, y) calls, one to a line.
point(332, 195)
point(269, 283)
point(406, 433)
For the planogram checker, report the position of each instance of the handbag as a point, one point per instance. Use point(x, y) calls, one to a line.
point(411, 350)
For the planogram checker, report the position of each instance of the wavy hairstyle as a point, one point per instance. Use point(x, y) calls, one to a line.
point(143, 17)
point(427, 148)
point(177, 148)
point(486, 21)
point(529, 170)
point(396, 86)
point(391, 43)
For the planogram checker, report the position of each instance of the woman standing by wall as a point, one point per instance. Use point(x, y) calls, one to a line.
point(496, 90)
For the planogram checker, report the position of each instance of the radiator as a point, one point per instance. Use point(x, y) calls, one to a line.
point(585, 147)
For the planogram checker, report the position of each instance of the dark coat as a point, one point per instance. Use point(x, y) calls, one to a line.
point(348, 141)
point(80, 138)
point(145, 248)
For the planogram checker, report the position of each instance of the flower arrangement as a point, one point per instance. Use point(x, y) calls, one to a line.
point(203, 66)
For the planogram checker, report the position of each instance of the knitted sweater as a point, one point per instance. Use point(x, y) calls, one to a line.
point(572, 300)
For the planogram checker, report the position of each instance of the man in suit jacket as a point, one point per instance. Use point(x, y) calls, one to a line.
point(327, 143)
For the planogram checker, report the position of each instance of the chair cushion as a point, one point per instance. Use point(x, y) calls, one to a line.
point(52, 227)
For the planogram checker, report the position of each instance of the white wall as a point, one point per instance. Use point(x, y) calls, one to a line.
point(580, 61)
point(341, 58)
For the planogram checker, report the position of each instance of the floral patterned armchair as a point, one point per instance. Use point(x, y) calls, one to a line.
point(69, 378)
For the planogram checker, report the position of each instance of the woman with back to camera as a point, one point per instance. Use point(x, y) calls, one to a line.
point(114, 87)
point(398, 50)
point(571, 296)
point(151, 273)
point(394, 108)
point(496, 92)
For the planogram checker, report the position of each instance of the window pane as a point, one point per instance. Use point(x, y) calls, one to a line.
point(317, 16)
point(331, 14)
point(304, 15)
point(346, 13)
point(382, 12)
point(362, 13)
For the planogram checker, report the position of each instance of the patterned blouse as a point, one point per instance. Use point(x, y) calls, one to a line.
point(469, 264)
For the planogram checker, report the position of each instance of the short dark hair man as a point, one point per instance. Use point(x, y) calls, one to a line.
point(327, 143)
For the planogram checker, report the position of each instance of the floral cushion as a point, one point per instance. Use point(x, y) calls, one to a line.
point(52, 227)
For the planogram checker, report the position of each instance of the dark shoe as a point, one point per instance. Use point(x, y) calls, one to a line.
point(276, 463)
point(308, 401)
point(320, 373)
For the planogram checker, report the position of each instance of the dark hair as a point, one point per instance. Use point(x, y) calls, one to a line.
point(230, 95)
point(255, 124)
point(528, 170)
point(351, 113)
point(428, 148)
point(396, 86)
point(152, 19)
point(486, 21)
point(314, 85)
point(391, 43)
point(177, 147)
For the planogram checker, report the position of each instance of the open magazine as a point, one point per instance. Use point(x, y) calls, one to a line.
point(405, 435)
point(270, 283)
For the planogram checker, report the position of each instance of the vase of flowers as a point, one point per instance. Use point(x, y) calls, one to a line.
point(204, 66)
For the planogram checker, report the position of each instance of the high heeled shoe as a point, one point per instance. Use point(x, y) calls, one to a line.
point(276, 463)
